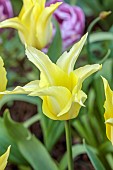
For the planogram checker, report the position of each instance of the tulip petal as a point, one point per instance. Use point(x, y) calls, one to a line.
point(80, 98)
point(27, 4)
point(53, 74)
point(42, 3)
point(68, 59)
point(109, 121)
point(28, 88)
point(44, 26)
point(83, 72)
point(13, 23)
point(4, 158)
point(109, 132)
point(53, 98)
point(74, 110)
point(108, 105)
point(3, 79)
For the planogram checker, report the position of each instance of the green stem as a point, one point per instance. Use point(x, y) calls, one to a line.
point(69, 145)
point(88, 41)
point(32, 120)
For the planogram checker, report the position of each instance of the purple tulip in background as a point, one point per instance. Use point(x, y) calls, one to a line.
point(5, 9)
point(71, 20)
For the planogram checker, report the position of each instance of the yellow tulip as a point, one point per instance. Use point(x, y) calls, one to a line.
point(4, 158)
point(108, 115)
point(3, 79)
point(33, 23)
point(60, 85)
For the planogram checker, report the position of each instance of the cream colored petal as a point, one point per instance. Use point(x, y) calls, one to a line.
point(44, 26)
point(41, 61)
point(68, 59)
point(58, 100)
point(51, 71)
point(83, 72)
point(13, 23)
point(28, 88)
point(4, 158)
point(80, 97)
point(3, 79)
point(108, 105)
point(109, 121)
point(74, 110)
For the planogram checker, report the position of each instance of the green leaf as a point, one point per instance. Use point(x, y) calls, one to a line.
point(16, 130)
point(93, 158)
point(5, 141)
point(7, 98)
point(55, 49)
point(76, 150)
point(51, 130)
point(36, 154)
point(84, 129)
point(100, 36)
point(30, 147)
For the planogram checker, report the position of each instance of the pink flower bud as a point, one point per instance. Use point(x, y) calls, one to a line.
point(71, 20)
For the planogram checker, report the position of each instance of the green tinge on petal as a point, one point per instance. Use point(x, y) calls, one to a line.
point(83, 72)
point(13, 23)
point(28, 88)
point(3, 79)
point(4, 158)
point(68, 59)
point(44, 27)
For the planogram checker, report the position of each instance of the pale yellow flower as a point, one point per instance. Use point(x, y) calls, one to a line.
point(3, 79)
point(60, 85)
point(108, 115)
point(33, 23)
point(4, 158)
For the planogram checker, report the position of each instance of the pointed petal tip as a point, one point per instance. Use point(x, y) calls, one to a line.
point(109, 121)
point(85, 36)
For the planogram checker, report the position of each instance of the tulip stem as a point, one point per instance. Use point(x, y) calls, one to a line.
point(95, 21)
point(31, 120)
point(69, 144)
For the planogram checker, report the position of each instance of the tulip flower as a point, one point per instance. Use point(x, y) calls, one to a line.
point(4, 158)
point(3, 79)
point(33, 23)
point(108, 115)
point(60, 85)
